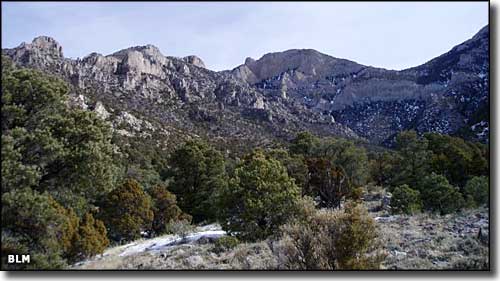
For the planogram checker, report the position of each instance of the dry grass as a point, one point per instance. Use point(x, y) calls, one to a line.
point(244, 256)
point(421, 241)
point(435, 242)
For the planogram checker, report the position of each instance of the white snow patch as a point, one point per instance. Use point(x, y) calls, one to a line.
point(163, 242)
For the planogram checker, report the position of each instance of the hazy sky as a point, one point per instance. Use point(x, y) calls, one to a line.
point(391, 35)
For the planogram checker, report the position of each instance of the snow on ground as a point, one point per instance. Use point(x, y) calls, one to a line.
point(157, 244)
point(162, 242)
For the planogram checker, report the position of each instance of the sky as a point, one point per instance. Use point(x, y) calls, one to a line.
point(392, 35)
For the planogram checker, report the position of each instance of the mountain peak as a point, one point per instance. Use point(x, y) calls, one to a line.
point(194, 60)
point(44, 45)
point(306, 62)
point(147, 50)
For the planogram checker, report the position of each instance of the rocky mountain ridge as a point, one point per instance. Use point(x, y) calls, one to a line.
point(444, 95)
point(143, 92)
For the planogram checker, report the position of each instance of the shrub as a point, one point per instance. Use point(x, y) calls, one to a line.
point(405, 200)
point(333, 240)
point(225, 243)
point(180, 227)
point(439, 196)
point(382, 167)
point(477, 188)
point(126, 211)
point(356, 194)
point(260, 197)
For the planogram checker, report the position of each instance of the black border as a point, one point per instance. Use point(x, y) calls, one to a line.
point(492, 13)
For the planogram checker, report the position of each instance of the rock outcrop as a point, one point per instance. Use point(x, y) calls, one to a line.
point(449, 94)
point(281, 93)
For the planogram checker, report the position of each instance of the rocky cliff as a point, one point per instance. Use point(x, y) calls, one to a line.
point(142, 92)
point(449, 94)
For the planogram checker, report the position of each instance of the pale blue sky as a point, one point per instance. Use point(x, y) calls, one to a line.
point(392, 35)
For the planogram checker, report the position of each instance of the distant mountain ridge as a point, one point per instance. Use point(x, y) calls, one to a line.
point(277, 95)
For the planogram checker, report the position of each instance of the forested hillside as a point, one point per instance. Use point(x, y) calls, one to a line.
point(73, 185)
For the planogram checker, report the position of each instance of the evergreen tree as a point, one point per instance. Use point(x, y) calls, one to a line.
point(456, 159)
point(478, 189)
point(34, 224)
point(414, 159)
point(260, 197)
point(127, 211)
point(304, 143)
point(295, 164)
point(328, 182)
point(51, 147)
point(165, 209)
point(344, 154)
point(91, 238)
point(382, 167)
point(197, 176)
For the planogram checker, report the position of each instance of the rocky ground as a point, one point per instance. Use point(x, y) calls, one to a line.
point(422, 241)
point(427, 241)
point(436, 242)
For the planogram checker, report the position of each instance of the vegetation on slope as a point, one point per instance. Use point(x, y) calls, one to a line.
point(71, 187)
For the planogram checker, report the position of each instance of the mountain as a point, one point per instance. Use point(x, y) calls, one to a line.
point(449, 94)
point(144, 93)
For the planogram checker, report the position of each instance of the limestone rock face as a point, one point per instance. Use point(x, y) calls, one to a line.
point(279, 94)
point(48, 45)
point(194, 60)
point(42, 51)
point(146, 90)
point(101, 110)
point(445, 95)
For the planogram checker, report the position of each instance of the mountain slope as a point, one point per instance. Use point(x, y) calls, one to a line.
point(445, 95)
point(276, 96)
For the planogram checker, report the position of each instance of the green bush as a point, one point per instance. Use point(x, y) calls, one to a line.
point(198, 174)
point(225, 243)
point(405, 200)
point(295, 165)
point(328, 167)
point(344, 154)
point(126, 211)
point(304, 143)
point(382, 167)
point(179, 227)
point(477, 188)
point(260, 197)
point(439, 196)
